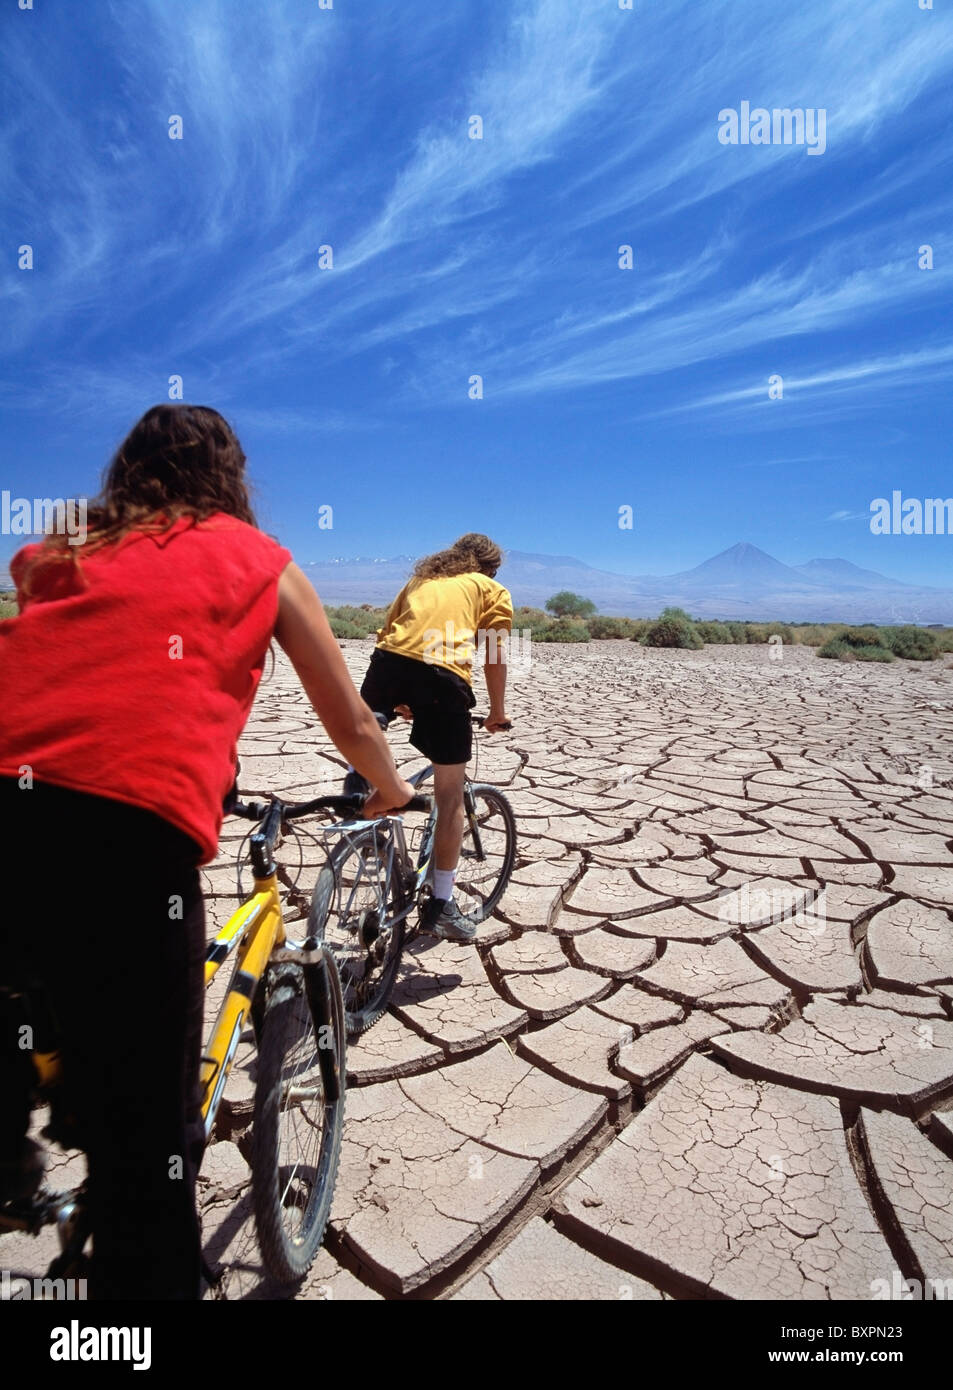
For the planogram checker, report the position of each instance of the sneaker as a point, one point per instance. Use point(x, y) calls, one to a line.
point(355, 784)
point(21, 1179)
point(441, 917)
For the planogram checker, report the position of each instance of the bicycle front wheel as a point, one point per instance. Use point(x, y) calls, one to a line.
point(299, 1118)
point(488, 854)
point(355, 900)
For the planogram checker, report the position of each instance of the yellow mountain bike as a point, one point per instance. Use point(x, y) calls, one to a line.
point(291, 992)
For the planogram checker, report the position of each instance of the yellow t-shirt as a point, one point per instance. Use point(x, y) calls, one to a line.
point(437, 620)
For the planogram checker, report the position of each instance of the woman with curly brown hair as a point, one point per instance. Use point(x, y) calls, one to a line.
point(422, 668)
point(125, 682)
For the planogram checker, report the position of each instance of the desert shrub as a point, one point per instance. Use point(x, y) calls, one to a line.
point(712, 631)
point(563, 630)
point(529, 617)
point(865, 636)
point(863, 642)
point(8, 607)
point(341, 628)
point(812, 634)
point(672, 631)
point(911, 643)
point(566, 604)
point(600, 627)
point(944, 639)
point(360, 622)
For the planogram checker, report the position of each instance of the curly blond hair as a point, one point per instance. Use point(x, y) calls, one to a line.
point(473, 553)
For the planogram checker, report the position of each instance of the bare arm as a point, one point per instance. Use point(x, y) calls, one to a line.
point(303, 631)
point(495, 672)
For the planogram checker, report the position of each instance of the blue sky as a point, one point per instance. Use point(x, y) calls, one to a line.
point(304, 127)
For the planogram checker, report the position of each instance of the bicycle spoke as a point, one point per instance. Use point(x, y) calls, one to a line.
point(299, 1129)
point(482, 872)
point(361, 895)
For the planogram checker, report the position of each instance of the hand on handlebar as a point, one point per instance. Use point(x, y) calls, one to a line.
point(493, 723)
point(379, 804)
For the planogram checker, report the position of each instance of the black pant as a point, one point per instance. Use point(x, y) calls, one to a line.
point(438, 698)
point(105, 915)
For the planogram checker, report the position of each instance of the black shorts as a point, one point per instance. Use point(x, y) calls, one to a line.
point(441, 702)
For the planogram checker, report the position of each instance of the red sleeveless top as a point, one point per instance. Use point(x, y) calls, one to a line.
point(131, 674)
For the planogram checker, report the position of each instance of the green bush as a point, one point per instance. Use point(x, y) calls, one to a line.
point(342, 628)
point(600, 627)
point(566, 604)
point(672, 631)
point(347, 620)
point(911, 643)
point(563, 630)
point(713, 632)
point(529, 617)
point(857, 644)
point(810, 634)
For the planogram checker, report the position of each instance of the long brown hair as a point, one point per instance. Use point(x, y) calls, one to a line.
point(469, 554)
point(178, 460)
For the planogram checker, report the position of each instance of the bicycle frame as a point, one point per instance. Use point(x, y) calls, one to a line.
point(417, 877)
point(256, 928)
point(426, 843)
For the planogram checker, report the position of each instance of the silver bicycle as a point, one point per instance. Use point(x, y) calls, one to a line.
point(379, 871)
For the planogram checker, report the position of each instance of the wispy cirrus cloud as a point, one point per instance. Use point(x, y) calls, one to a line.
point(452, 255)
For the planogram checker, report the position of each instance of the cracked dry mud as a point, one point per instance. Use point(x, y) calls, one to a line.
point(703, 1049)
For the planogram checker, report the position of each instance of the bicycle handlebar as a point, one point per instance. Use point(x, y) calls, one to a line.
point(480, 719)
point(341, 806)
point(476, 719)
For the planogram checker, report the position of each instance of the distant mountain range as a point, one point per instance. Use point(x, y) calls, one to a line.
point(742, 582)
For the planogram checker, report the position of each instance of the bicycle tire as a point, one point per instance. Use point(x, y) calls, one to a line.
point(478, 896)
point(289, 1020)
point(342, 916)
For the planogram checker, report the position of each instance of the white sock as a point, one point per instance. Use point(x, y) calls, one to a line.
point(443, 883)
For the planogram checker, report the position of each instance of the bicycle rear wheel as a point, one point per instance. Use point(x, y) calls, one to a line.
point(357, 894)
point(299, 1117)
point(488, 854)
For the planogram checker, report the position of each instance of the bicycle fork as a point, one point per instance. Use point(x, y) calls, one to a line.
point(316, 964)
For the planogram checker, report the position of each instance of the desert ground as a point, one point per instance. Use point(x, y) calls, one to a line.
point(704, 1047)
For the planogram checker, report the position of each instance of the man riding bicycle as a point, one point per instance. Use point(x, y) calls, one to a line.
point(421, 668)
